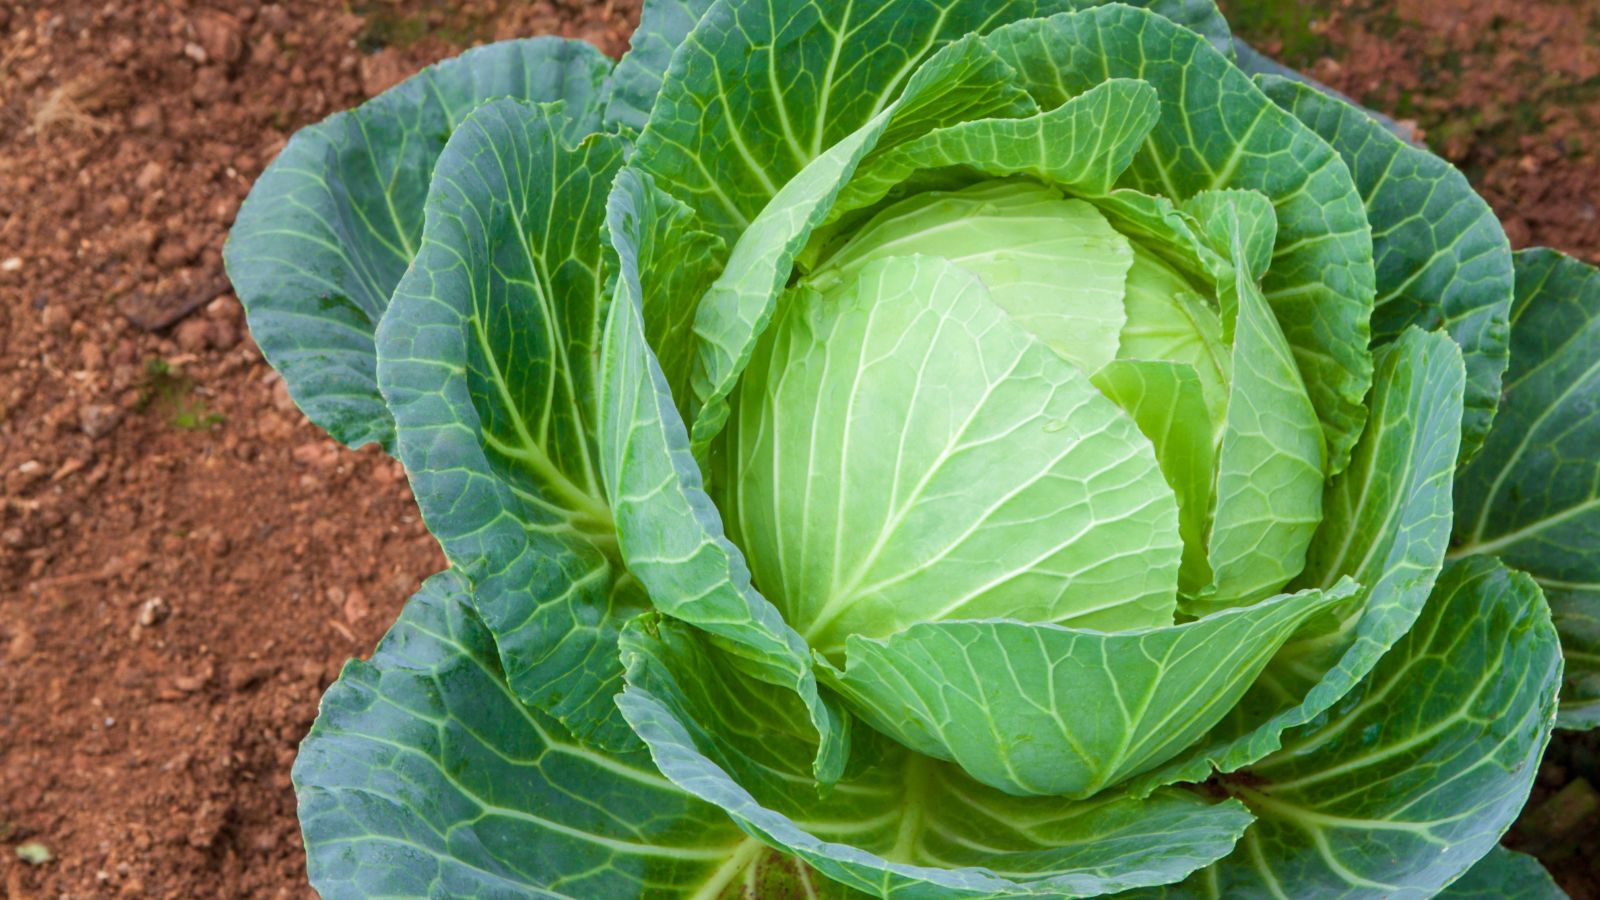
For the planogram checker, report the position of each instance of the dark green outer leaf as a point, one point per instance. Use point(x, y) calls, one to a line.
point(425, 777)
point(1217, 130)
point(487, 358)
point(1505, 875)
point(669, 531)
point(759, 90)
point(632, 88)
point(1415, 774)
point(1254, 62)
point(1577, 616)
point(1386, 519)
point(1442, 259)
point(1532, 495)
point(1199, 16)
point(330, 227)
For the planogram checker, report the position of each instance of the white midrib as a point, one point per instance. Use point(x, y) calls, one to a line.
point(530, 451)
point(742, 857)
point(918, 772)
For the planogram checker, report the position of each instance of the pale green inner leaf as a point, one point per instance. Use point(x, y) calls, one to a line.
point(1056, 266)
point(1168, 320)
point(907, 453)
point(1039, 709)
point(1165, 400)
point(1271, 463)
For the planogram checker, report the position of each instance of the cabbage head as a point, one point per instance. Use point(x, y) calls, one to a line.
point(934, 449)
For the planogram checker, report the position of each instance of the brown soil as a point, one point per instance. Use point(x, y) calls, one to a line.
point(1509, 90)
point(184, 563)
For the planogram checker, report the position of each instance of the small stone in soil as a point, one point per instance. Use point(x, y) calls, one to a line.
point(151, 175)
point(219, 36)
point(56, 318)
point(21, 645)
point(192, 335)
point(98, 420)
point(355, 606)
point(152, 612)
point(191, 683)
point(224, 334)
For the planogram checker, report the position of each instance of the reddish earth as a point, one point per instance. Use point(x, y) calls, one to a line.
point(1509, 90)
point(184, 562)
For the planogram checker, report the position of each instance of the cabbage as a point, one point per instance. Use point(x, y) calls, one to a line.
point(933, 449)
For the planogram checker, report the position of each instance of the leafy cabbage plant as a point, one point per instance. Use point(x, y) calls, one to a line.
point(936, 448)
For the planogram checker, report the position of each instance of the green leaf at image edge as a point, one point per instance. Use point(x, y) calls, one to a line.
point(1532, 495)
point(1577, 617)
point(424, 776)
point(330, 226)
point(1413, 776)
point(1504, 875)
